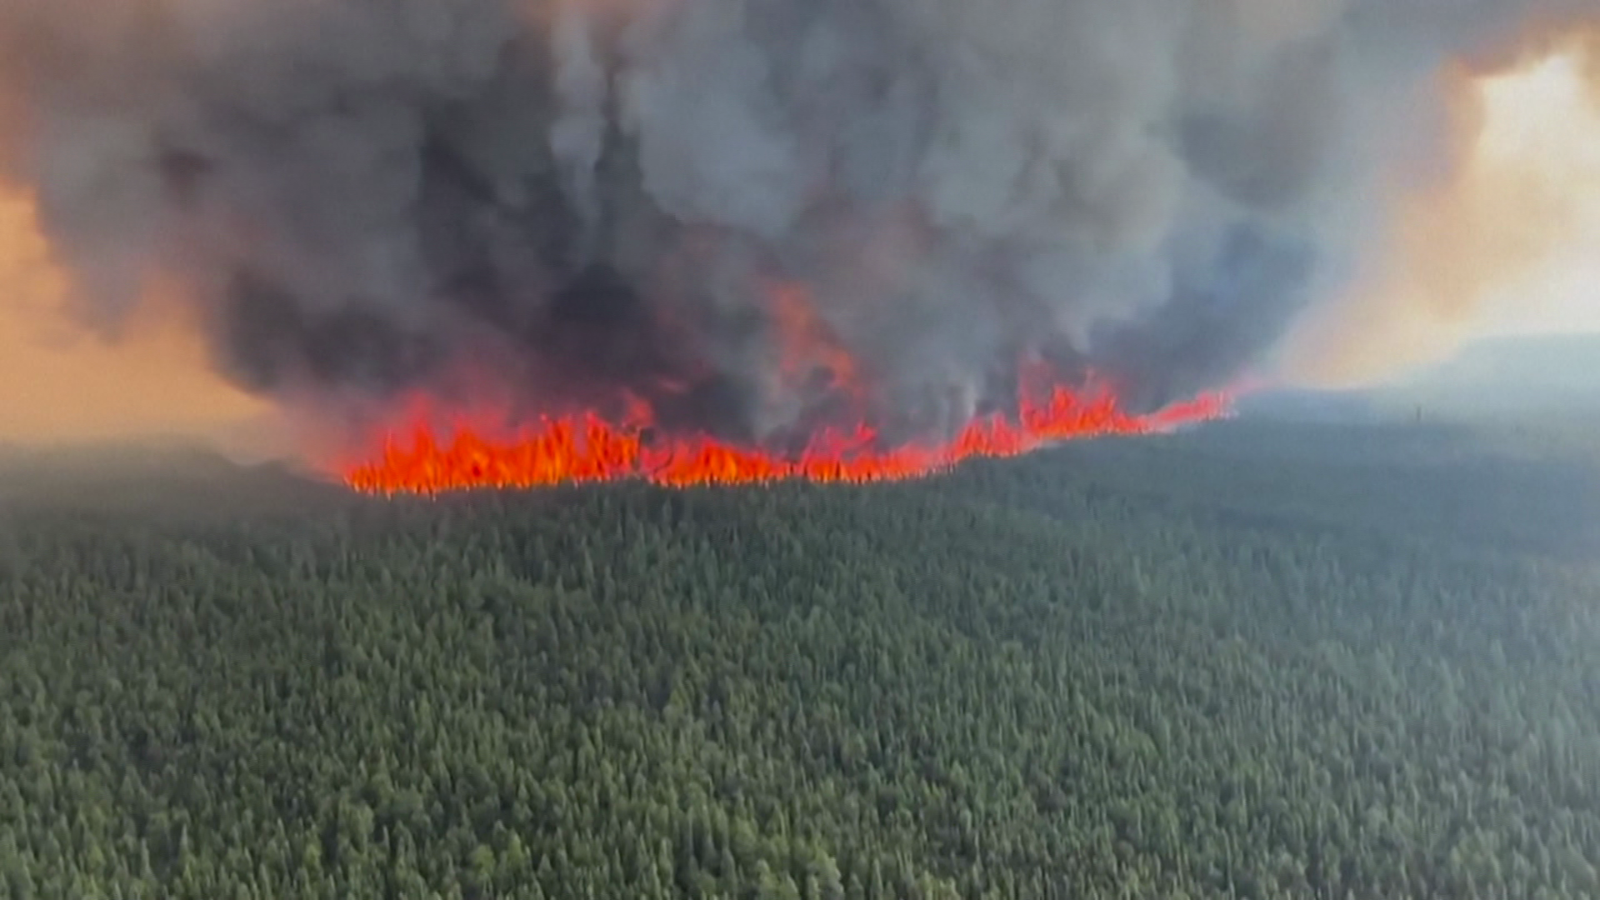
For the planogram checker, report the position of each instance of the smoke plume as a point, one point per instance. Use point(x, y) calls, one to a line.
point(557, 200)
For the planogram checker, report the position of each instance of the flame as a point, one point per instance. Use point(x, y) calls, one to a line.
point(463, 451)
point(808, 347)
point(581, 448)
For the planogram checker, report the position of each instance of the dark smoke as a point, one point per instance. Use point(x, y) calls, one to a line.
point(366, 196)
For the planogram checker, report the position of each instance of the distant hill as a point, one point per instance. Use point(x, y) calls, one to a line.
point(1540, 376)
point(1517, 371)
point(1311, 406)
point(150, 475)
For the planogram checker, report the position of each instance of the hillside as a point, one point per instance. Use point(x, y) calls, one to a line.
point(1259, 660)
point(1544, 375)
point(1527, 363)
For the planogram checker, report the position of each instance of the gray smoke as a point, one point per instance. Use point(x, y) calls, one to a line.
point(585, 195)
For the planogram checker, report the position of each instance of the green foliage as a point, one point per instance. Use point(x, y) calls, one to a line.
point(1120, 672)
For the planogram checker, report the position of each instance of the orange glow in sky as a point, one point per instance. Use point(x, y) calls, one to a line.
point(1510, 243)
point(59, 382)
point(1547, 120)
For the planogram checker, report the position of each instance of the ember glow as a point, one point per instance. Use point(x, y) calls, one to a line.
point(586, 448)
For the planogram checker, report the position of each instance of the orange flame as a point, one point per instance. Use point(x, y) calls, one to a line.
point(807, 345)
point(587, 448)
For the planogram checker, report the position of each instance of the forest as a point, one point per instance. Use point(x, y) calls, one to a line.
point(1254, 661)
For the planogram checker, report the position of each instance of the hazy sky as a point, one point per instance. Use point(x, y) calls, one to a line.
point(1547, 120)
point(1508, 243)
point(59, 382)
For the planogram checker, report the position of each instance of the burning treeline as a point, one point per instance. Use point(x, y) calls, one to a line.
point(728, 239)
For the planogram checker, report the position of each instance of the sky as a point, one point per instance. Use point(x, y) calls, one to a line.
point(59, 382)
point(1507, 243)
point(1546, 119)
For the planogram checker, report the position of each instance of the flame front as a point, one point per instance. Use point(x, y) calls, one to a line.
point(587, 448)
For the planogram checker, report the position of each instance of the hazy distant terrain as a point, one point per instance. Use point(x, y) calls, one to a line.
point(1279, 657)
point(1528, 398)
point(153, 478)
point(1547, 378)
point(1535, 369)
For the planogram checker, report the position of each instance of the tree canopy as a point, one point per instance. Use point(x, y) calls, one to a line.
point(1183, 669)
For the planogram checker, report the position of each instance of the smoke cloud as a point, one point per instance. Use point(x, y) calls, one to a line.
point(356, 198)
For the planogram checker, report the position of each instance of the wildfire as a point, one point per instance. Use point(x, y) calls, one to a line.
point(807, 345)
point(588, 448)
point(473, 451)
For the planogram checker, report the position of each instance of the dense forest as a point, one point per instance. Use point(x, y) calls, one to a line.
point(1260, 660)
